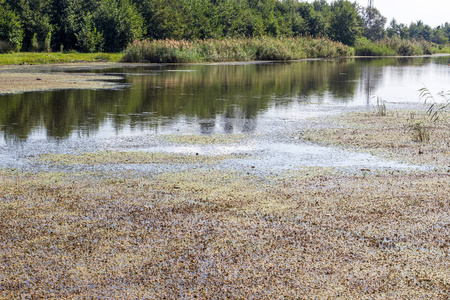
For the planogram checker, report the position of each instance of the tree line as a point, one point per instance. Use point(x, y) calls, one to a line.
point(110, 25)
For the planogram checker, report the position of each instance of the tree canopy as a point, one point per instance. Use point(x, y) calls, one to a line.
point(110, 25)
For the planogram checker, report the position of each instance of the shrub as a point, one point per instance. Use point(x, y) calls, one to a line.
point(47, 42)
point(34, 43)
point(392, 47)
point(6, 47)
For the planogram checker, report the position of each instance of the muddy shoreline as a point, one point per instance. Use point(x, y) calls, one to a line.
point(19, 79)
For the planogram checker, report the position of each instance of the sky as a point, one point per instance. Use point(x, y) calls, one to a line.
point(431, 12)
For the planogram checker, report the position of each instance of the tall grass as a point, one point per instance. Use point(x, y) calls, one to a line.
point(381, 107)
point(392, 47)
point(437, 105)
point(238, 49)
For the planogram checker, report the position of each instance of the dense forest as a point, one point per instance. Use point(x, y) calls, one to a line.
point(110, 25)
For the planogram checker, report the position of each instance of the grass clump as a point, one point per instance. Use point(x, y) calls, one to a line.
point(381, 107)
point(420, 132)
point(392, 47)
point(237, 49)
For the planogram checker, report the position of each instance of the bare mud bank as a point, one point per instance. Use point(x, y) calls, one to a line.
point(19, 79)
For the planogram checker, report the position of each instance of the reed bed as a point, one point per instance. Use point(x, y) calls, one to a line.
point(393, 47)
point(238, 49)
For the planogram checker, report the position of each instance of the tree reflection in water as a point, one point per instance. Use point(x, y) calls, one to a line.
point(232, 94)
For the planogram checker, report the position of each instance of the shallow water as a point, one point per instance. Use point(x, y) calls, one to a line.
point(268, 102)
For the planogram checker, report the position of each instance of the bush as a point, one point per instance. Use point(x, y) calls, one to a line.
point(34, 43)
point(6, 47)
point(392, 47)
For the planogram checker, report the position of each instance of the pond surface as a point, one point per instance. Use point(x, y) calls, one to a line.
point(264, 99)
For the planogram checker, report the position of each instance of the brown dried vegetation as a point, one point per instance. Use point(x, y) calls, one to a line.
point(408, 136)
point(204, 139)
point(130, 157)
point(223, 234)
point(13, 82)
point(317, 233)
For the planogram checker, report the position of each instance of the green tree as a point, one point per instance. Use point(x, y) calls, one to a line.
point(439, 36)
point(88, 38)
point(446, 29)
point(242, 20)
point(265, 9)
point(293, 23)
point(35, 19)
point(374, 23)
point(322, 7)
point(230, 16)
point(69, 19)
point(397, 30)
point(252, 24)
point(162, 18)
point(200, 20)
point(419, 30)
point(11, 32)
point(345, 23)
point(316, 22)
point(119, 23)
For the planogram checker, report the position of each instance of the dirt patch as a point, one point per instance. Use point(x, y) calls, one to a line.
point(25, 82)
point(18, 79)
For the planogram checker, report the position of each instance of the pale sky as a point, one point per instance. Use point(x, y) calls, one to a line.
point(431, 12)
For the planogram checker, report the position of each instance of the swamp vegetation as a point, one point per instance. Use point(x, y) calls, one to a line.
point(129, 217)
point(208, 232)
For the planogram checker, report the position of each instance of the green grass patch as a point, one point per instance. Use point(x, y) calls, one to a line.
point(56, 57)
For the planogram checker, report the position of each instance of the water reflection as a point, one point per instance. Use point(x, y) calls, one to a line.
point(228, 97)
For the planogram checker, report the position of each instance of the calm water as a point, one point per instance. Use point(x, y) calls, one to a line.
point(219, 98)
